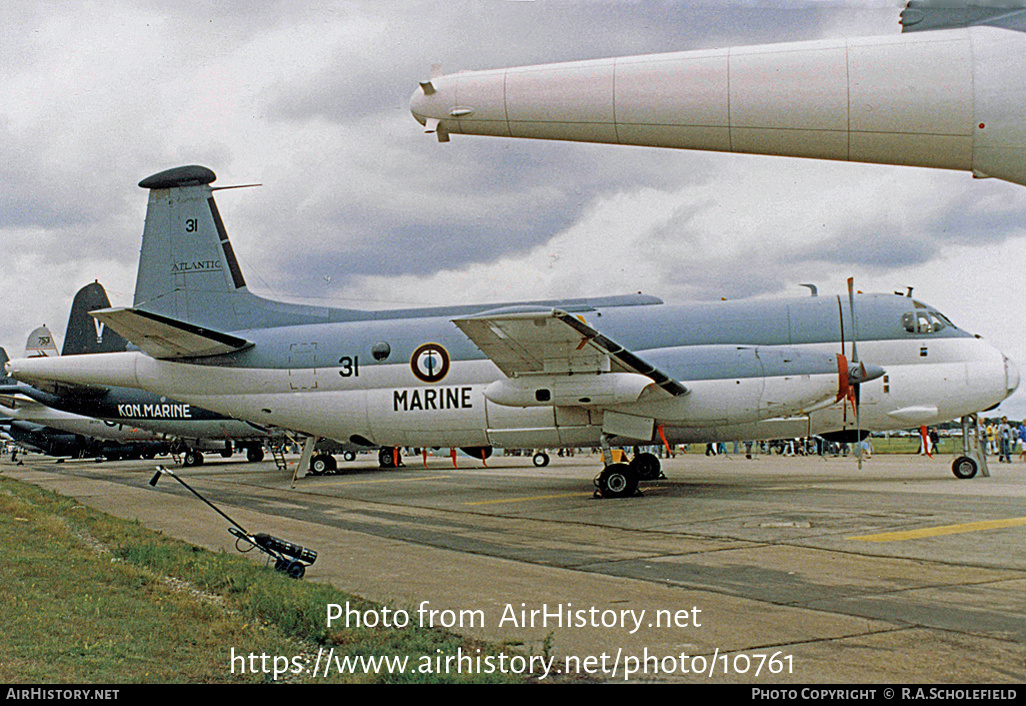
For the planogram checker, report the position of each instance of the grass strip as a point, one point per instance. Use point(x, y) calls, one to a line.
point(90, 598)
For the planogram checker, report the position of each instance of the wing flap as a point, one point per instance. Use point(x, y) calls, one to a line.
point(531, 342)
point(628, 360)
point(166, 338)
point(554, 342)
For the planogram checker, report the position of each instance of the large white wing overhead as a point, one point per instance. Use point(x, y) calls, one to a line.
point(554, 342)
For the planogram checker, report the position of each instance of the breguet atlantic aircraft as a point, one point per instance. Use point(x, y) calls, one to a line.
point(946, 92)
point(621, 370)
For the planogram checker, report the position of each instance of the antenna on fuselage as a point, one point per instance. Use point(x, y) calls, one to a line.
point(236, 186)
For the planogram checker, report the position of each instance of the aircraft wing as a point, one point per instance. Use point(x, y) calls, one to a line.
point(166, 338)
point(924, 15)
point(554, 342)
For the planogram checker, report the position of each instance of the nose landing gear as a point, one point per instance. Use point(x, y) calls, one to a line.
point(974, 455)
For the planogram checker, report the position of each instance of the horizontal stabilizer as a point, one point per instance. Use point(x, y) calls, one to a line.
point(165, 338)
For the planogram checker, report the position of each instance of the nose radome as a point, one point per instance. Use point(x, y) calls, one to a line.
point(430, 106)
point(433, 98)
point(419, 105)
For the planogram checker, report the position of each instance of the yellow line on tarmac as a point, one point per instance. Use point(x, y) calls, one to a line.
point(940, 531)
point(528, 499)
point(384, 480)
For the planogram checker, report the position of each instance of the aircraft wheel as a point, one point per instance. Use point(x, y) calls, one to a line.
point(321, 464)
point(385, 458)
point(192, 458)
point(541, 459)
point(255, 454)
point(964, 467)
point(348, 456)
point(647, 466)
point(617, 480)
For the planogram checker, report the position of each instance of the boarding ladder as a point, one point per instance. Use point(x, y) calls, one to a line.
point(278, 454)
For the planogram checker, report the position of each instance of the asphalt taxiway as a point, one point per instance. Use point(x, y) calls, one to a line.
point(769, 570)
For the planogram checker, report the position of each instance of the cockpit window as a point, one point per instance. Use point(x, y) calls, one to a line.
point(925, 321)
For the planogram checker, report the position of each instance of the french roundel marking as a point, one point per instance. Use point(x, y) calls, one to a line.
point(430, 362)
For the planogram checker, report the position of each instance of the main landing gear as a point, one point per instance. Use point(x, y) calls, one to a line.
point(322, 464)
point(621, 480)
point(617, 480)
point(389, 457)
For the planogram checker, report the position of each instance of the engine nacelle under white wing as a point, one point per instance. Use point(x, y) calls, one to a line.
point(603, 389)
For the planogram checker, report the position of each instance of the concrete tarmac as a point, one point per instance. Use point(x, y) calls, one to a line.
point(762, 571)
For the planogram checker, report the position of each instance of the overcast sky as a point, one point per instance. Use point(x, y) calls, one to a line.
point(360, 207)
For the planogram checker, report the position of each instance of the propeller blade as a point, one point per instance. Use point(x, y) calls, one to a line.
point(855, 388)
point(854, 328)
point(843, 377)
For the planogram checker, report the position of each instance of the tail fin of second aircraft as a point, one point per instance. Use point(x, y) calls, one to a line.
point(86, 334)
point(40, 344)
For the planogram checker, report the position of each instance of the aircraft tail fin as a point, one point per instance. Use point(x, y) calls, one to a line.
point(40, 344)
point(187, 267)
point(86, 334)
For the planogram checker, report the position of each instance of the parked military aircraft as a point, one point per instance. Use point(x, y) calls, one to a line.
point(61, 434)
point(193, 429)
point(947, 92)
point(624, 369)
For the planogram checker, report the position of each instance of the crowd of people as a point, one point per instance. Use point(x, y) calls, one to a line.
point(1002, 438)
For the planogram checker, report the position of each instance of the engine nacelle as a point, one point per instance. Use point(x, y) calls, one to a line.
point(599, 389)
